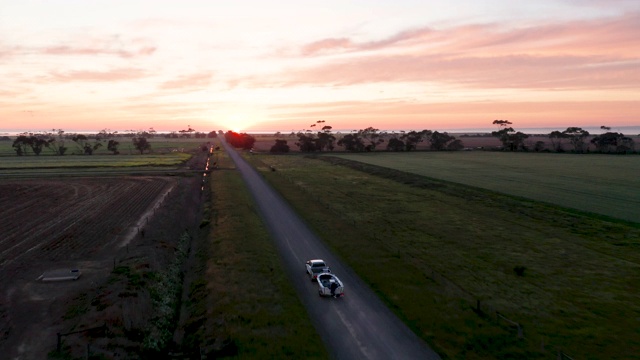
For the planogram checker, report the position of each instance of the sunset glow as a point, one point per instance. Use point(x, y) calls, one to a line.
point(253, 66)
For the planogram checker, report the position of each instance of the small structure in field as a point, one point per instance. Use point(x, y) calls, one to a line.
point(60, 275)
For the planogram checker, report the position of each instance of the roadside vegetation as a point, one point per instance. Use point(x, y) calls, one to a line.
point(241, 303)
point(476, 273)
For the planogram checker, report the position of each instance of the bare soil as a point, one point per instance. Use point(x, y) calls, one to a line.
point(92, 224)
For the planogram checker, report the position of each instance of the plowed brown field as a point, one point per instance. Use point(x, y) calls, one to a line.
point(84, 223)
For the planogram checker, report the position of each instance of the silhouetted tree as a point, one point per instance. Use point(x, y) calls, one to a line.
point(306, 142)
point(455, 145)
point(373, 136)
point(556, 140)
point(243, 141)
point(511, 140)
point(577, 136)
point(613, 142)
point(413, 138)
point(439, 140)
point(141, 144)
point(352, 142)
point(395, 144)
point(280, 147)
point(113, 147)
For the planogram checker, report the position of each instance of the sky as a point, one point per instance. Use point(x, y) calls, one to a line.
point(266, 66)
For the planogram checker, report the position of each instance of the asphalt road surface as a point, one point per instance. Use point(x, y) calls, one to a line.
point(356, 326)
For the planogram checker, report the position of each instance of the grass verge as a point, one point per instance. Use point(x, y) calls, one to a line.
point(242, 305)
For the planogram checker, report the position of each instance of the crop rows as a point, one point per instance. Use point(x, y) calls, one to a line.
point(70, 219)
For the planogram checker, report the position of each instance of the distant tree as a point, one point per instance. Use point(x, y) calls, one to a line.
point(440, 140)
point(556, 140)
point(280, 147)
point(113, 147)
point(539, 146)
point(373, 136)
point(352, 142)
point(80, 141)
point(141, 144)
point(187, 133)
point(511, 140)
point(212, 134)
point(36, 143)
point(613, 142)
point(306, 141)
point(85, 145)
point(395, 144)
point(325, 139)
point(243, 141)
point(21, 144)
point(577, 136)
point(455, 145)
point(56, 143)
point(413, 138)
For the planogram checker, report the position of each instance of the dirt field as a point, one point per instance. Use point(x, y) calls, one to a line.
point(90, 224)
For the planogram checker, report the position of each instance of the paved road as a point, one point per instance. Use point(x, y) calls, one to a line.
point(356, 326)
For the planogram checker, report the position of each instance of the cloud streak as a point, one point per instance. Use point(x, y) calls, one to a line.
point(119, 74)
point(193, 81)
point(576, 54)
point(64, 50)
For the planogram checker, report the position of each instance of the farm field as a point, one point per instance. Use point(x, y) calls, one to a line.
point(159, 145)
point(128, 235)
point(79, 217)
point(67, 224)
point(92, 161)
point(462, 266)
point(601, 184)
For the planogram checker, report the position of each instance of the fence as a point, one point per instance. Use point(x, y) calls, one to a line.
point(102, 328)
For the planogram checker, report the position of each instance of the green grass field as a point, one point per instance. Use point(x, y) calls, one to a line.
point(603, 184)
point(433, 249)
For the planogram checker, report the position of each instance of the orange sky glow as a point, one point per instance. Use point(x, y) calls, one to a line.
point(255, 67)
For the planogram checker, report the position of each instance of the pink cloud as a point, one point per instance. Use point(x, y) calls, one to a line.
point(106, 76)
point(326, 45)
point(344, 44)
point(69, 50)
point(601, 53)
point(188, 81)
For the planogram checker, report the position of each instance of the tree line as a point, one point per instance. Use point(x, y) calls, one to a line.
point(59, 142)
point(576, 137)
point(371, 139)
point(367, 140)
